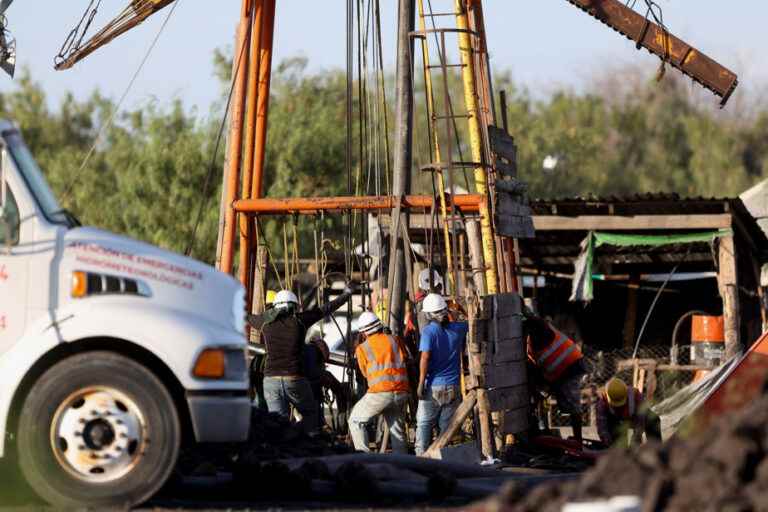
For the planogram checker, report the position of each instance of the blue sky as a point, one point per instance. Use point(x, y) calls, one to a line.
point(545, 43)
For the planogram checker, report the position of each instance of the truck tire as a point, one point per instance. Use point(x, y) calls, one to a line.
point(98, 430)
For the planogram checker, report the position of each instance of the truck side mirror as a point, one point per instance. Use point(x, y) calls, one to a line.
point(3, 186)
point(5, 222)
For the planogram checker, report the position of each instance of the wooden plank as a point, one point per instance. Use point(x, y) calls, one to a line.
point(506, 328)
point(457, 421)
point(630, 223)
point(502, 144)
point(507, 304)
point(516, 421)
point(504, 169)
point(504, 375)
point(508, 204)
point(509, 351)
point(505, 399)
point(515, 227)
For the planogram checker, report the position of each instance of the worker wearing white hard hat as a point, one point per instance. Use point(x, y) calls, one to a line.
point(382, 361)
point(283, 330)
point(430, 281)
point(442, 343)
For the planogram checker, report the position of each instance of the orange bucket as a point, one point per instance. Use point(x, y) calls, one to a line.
point(707, 329)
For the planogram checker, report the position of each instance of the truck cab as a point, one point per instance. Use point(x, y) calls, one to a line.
point(113, 353)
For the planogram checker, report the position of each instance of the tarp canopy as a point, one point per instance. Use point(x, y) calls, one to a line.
point(582, 289)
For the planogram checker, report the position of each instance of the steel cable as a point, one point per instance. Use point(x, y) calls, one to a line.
point(110, 120)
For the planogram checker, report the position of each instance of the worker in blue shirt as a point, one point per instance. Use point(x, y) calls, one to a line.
point(441, 346)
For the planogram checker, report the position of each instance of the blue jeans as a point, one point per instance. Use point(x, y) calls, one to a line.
point(438, 407)
point(282, 392)
point(391, 406)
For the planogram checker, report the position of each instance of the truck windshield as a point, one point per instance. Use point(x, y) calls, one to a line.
point(33, 176)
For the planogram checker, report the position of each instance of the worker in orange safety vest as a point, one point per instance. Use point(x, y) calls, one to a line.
point(620, 406)
point(559, 362)
point(382, 360)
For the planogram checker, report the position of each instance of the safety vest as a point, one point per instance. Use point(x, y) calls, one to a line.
point(383, 363)
point(558, 356)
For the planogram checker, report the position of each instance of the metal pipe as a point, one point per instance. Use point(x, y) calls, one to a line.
point(280, 206)
point(250, 138)
point(403, 162)
point(255, 188)
point(265, 74)
point(235, 143)
point(476, 143)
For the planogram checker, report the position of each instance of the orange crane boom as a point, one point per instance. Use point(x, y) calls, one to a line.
point(136, 12)
point(670, 49)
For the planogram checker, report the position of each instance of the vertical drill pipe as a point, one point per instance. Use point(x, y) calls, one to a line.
point(436, 154)
point(236, 142)
point(266, 39)
point(476, 142)
point(402, 164)
point(250, 138)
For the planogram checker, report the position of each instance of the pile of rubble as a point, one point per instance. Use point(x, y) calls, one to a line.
point(725, 468)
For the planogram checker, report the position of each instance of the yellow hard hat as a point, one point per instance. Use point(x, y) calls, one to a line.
point(271, 294)
point(616, 392)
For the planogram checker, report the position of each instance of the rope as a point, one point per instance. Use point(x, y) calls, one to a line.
point(656, 12)
point(114, 112)
point(269, 254)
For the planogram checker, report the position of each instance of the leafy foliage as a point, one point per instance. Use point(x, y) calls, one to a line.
point(145, 177)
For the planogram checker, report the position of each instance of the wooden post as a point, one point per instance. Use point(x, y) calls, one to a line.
point(476, 259)
point(729, 291)
point(630, 318)
point(259, 278)
point(477, 382)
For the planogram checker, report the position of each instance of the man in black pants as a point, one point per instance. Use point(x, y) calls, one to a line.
point(283, 330)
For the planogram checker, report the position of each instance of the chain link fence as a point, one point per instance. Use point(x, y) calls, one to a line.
point(657, 381)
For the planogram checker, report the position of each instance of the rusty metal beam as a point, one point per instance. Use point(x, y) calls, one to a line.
point(311, 205)
point(657, 40)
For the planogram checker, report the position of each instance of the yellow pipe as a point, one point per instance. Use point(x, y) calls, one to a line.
point(476, 142)
point(436, 142)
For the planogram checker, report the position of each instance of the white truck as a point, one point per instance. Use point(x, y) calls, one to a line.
point(113, 353)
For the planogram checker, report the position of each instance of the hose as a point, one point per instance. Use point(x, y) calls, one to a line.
point(673, 350)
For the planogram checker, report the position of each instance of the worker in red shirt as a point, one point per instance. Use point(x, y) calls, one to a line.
point(558, 361)
point(620, 407)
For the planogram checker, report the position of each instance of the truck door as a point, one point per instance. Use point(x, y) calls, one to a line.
point(13, 275)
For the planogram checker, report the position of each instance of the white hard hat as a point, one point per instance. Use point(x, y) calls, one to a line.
point(369, 323)
point(424, 280)
point(285, 298)
point(434, 303)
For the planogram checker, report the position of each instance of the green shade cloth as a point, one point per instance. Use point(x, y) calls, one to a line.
point(583, 290)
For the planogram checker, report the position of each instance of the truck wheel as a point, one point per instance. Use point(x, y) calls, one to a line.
point(98, 430)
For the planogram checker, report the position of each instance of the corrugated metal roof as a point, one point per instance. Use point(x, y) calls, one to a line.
point(635, 204)
point(560, 248)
